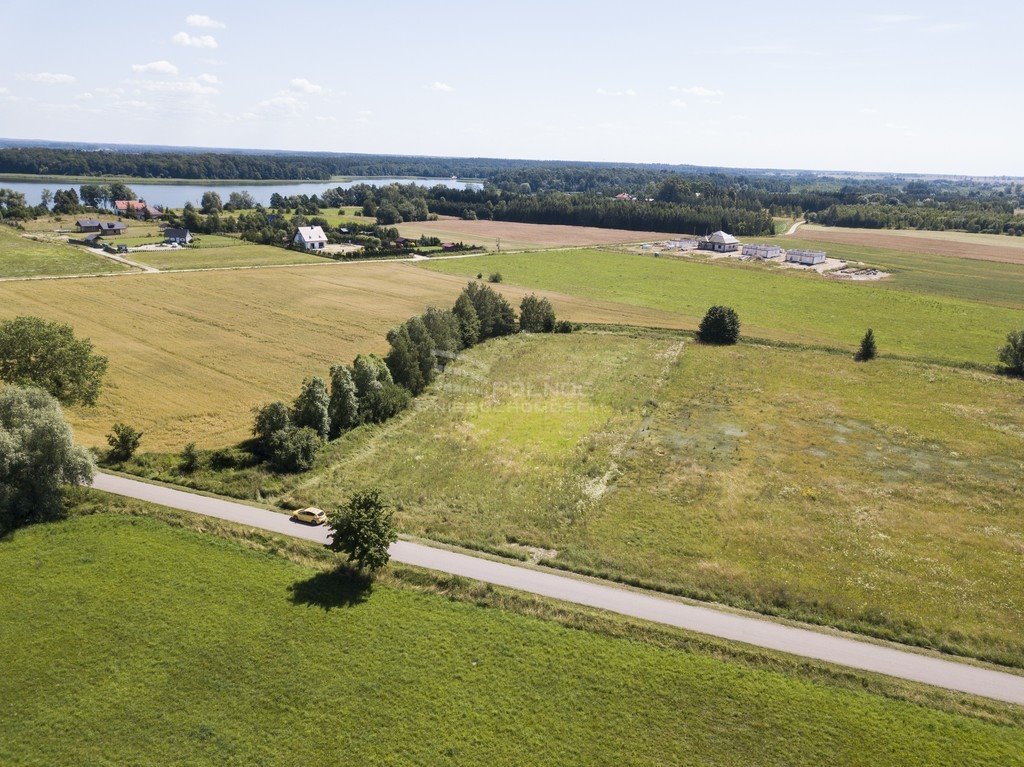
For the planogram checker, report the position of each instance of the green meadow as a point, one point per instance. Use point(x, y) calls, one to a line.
point(128, 640)
point(22, 257)
point(772, 303)
point(881, 498)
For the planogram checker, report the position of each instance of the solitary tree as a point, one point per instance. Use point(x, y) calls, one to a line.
point(1012, 355)
point(211, 203)
point(124, 441)
point(720, 325)
point(312, 407)
point(363, 530)
point(47, 354)
point(868, 349)
point(38, 456)
point(189, 459)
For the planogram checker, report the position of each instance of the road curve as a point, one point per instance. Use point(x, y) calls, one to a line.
point(805, 642)
point(792, 229)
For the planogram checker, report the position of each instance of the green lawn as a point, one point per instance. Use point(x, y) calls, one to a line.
point(883, 498)
point(772, 303)
point(334, 218)
point(22, 257)
point(128, 641)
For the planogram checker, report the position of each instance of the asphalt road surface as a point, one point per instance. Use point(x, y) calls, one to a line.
point(805, 642)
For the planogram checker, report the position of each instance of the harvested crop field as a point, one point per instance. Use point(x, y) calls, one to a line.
point(981, 247)
point(516, 236)
point(192, 353)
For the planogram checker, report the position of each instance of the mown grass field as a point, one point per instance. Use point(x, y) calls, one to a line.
point(23, 257)
point(240, 656)
point(772, 303)
point(930, 273)
point(883, 498)
point(192, 353)
point(223, 252)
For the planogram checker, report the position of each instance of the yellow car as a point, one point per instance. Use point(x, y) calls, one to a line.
point(311, 516)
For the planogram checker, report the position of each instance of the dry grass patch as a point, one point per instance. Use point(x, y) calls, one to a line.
point(982, 247)
point(515, 236)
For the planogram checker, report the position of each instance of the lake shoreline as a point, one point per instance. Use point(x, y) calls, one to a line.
point(78, 180)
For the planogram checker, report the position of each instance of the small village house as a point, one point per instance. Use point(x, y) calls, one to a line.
point(137, 208)
point(176, 235)
point(719, 242)
point(87, 225)
point(310, 238)
point(762, 251)
point(109, 228)
point(805, 257)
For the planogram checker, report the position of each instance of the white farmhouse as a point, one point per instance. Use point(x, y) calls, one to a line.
point(805, 257)
point(762, 251)
point(310, 237)
point(719, 242)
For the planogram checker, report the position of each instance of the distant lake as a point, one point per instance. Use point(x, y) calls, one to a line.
point(176, 195)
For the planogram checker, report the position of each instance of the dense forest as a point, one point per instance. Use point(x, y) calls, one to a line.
point(650, 197)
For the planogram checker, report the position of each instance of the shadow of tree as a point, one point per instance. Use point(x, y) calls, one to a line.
point(341, 587)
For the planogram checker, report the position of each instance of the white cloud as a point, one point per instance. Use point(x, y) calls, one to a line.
point(440, 87)
point(699, 91)
point(199, 20)
point(283, 101)
point(606, 92)
point(189, 87)
point(868, 111)
point(326, 119)
point(160, 67)
point(302, 85)
point(50, 78)
point(949, 27)
point(364, 112)
point(83, 97)
point(678, 103)
point(208, 79)
point(194, 41)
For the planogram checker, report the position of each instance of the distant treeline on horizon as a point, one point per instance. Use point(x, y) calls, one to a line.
point(662, 197)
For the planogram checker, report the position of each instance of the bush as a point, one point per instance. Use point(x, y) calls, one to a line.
point(564, 326)
point(536, 315)
point(495, 277)
point(1012, 355)
point(868, 349)
point(384, 402)
point(189, 459)
point(720, 325)
point(223, 459)
point(293, 449)
point(363, 530)
point(124, 441)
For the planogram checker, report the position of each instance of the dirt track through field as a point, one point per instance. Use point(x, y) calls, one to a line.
point(954, 245)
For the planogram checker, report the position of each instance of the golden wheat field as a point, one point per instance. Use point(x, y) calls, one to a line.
point(192, 353)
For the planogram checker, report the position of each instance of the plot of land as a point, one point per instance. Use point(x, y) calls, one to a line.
point(24, 257)
point(516, 236)
point(883, 498)
point(985, 247)
point(192, 353)
point(221, 252)
point(771, 303)
point(235, 656)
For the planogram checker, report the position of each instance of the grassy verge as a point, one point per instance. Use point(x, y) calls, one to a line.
point(248, 650)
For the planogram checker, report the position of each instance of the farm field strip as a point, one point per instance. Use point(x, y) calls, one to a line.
point(984, 247)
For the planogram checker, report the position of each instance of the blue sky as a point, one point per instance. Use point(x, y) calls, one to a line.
point(931, 87)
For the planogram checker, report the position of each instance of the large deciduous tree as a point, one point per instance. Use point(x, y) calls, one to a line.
point(1012, 355)
point(363, 530)
point(47, 354)
point(312, 407)
point(38, 456)
point(344, 404)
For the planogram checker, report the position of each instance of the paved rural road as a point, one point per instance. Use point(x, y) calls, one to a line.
point(706, 620)
point(796, 225)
